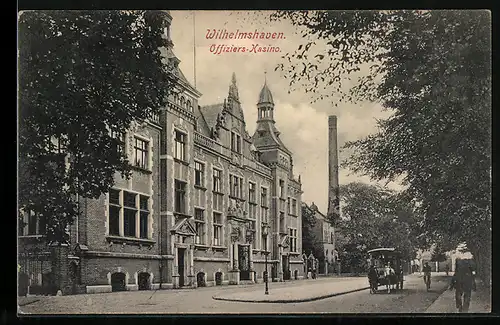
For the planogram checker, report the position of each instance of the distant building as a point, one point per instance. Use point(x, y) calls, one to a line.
point(326, 232)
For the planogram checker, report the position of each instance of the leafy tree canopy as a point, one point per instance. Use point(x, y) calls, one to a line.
point(375, 217)
point(432, 70)
point(84, 77)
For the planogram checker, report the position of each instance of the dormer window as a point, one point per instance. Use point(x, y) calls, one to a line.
point(235, 142)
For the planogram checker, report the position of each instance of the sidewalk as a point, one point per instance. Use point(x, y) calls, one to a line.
point(23, 301)
point(480, 302)
point(311, 292)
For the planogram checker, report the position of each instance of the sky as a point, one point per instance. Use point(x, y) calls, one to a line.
point(303, 125)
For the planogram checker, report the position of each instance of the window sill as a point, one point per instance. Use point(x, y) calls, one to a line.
point(200, 187)
point(130, 240)
point(143, 170)
point(264, 206)
point(237, 198)
point(181, 161)
point(182, 215)
point(201, 247)
point(294, 253)
point(219, 248)
point(218, 193)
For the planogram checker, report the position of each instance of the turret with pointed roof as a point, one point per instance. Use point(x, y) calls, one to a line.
point(266, 134)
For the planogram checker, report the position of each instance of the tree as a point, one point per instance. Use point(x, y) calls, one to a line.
point(311, 242)
point(84, 77)
point(374, 217)
point(432, 69)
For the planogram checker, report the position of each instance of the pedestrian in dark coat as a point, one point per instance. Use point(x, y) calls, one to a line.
point(463, 281)
point(373, 279)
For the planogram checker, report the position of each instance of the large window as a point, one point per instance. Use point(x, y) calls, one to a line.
point(264, 243)
point(293, 240)
point(235, 186)
point(129, 214)
point(294, 207)
point(253, 227)
point(282, 223)
point(141, 153)
point(235, 142)
point(144, 216)
point(263, 196)
point(282, 189)
point(199, 174)
point(288, 206)
point(180, 197)
point(133, 209)
point(216, 180)
point(180, 146)
point(199, 220)
point(115, 207)
point(32, 224)
point(217, 233)
point(251, 193)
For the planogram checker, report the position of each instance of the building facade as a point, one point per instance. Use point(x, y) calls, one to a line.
point(326, 233)
point(205, 205)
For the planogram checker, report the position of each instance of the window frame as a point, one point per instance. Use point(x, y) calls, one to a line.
point(199, 174)
point(180, 144)
point(182, 191)
point(144, 161)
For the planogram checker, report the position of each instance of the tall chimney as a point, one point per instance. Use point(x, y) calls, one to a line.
point(333, 170)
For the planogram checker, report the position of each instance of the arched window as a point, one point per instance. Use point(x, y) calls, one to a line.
point(183, 102)
point(189, 106)
point(176, 99)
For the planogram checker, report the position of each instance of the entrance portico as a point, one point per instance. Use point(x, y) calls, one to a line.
point(241, 236)
point(183, 240)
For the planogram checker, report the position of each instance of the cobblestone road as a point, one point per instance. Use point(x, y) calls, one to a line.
point(414, 298)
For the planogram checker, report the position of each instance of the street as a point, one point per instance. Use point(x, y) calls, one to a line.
point(413, 299)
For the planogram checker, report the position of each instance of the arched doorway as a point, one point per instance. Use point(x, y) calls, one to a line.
point(143, 279)
point(118, 282)
point(218, 278)
point(200, 279)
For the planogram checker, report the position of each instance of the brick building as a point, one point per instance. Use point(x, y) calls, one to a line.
point(205, 203)
point(326, 233)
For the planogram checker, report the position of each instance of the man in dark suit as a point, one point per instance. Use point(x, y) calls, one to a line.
point(463, 281)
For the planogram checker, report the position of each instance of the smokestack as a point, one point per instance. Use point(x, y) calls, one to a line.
point(333, 170)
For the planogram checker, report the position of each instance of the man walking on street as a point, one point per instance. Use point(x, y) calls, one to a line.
point(427, 275)
point(463, 282)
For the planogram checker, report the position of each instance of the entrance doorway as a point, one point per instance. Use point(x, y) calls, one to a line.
point(180, 265)
point(143, 279)
point(244, 261)
point(286, 267)
point(118, 282)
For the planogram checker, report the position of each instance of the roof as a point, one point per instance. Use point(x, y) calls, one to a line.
point(210, 113)
point(265, 96)
point(201, 123)
point(270, 137)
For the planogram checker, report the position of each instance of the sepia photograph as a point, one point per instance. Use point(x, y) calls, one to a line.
point(254, 162)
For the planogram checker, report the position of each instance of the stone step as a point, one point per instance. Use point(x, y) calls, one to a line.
point(246, 282)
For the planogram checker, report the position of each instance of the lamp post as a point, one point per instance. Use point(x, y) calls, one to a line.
point(266, 276)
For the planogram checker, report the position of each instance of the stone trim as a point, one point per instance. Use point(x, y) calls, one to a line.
point(127, 255)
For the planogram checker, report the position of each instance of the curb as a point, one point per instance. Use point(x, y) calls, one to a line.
point(281, 301)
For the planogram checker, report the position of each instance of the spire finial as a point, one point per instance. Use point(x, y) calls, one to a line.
point(265, 77)
point(233, 79)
